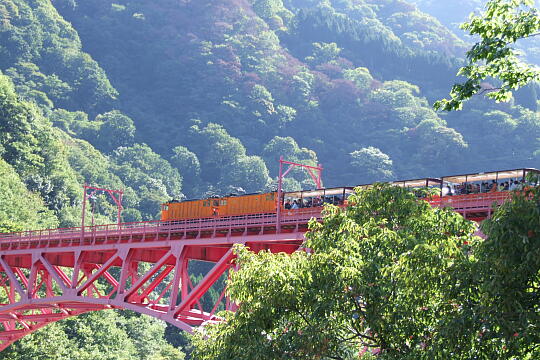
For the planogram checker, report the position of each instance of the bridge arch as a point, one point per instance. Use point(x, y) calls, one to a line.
point(48, 276)
point(32, 316)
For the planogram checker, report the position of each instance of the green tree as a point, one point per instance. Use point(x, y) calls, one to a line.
point(103, 335)
point(142, 159)
point(18, 138)
point(272, 11)
point(372, 165)
point(51, 343)
point(289, 149)
point(510, 271)
point(116, 130)
point(249, 172)
point(323, 53)
point(360, 76)
point(31, 146)
point(389, 274)
point(189, 166)
point(503, 23)
point(261, 98)
point(397, 94)
point(19, 208)
point(147, 334)
point(224, 161)
point(441, 147)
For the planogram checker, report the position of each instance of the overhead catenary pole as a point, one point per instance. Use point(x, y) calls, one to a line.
point(83, 210)
point(116, 195)
point(316, 177)
point(278, 201)
point(120, 208)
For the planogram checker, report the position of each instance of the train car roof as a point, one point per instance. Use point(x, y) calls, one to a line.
point(175, 201)
point(481, 176)
point(409, 183)
point(217, 197)
point(486, 176)
point(417, 182)
point(317, 192)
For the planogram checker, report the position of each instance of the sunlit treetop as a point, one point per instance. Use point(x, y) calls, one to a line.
point(494, 58)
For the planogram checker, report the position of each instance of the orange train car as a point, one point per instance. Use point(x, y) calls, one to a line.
point(251, 203)
point(264, 203)
point(222, 206)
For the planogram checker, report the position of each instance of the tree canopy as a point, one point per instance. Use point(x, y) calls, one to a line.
point(389, 277)
point(495, 67)
point(386, 276)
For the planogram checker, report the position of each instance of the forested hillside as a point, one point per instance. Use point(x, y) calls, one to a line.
point(453, 13)
point(169, 99)
point(351, 81)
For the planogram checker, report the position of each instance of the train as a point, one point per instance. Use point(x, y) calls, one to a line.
point(236, 205)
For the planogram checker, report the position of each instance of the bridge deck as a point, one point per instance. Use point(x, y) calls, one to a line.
point(215, 227)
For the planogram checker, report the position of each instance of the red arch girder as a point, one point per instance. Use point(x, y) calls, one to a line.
point(33, 322)
point(41, 285)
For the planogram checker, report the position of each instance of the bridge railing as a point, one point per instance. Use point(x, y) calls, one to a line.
point(471, 202)
point(157, 226)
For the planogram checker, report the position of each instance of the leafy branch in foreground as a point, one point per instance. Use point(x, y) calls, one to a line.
point(387, 277)
point(393, 279)
point(502, 24)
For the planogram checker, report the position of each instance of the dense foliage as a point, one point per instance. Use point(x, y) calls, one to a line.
point(393, 278)
point(384, 275)
point(453, 13)
point(335, 76)
point(103, 335)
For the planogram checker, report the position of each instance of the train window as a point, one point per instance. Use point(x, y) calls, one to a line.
point(165, 207)
point(206, 203)
point(223, 202)
point(216, 203)
point(270, 197)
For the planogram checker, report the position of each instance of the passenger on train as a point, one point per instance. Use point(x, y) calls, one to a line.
point(484, 187)
point(295, 205)
point(288, 204)
point(515, 185)
point(447, 190)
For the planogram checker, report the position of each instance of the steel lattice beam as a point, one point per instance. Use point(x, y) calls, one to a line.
point(69, 275)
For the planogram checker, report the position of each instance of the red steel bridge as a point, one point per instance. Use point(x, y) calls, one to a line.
point(49, 275)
